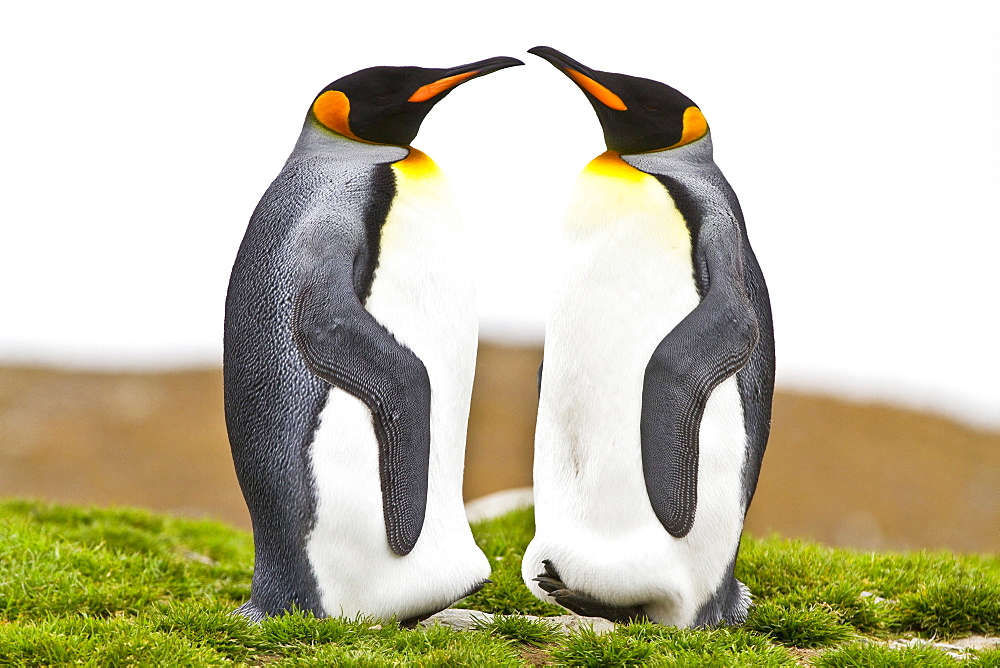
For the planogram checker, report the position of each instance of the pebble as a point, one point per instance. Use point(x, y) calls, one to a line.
point(465, 620)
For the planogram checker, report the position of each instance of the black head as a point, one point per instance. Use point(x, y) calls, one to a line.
point(385, 105)
point(638, 115)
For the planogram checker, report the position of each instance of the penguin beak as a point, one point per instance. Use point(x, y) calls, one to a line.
point(584, 77)
point(458, 75)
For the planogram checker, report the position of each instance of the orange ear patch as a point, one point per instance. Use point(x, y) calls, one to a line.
point(332, 109)
point(425, 93)
point(606, 97)
point(695, 126)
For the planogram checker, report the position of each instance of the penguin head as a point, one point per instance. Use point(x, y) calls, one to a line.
point(385, 105)
point(638, 115)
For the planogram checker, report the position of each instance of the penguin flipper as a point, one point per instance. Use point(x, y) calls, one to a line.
point(710, 344)
point(345, 346)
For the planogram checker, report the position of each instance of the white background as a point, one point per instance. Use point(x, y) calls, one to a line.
point(862, 137)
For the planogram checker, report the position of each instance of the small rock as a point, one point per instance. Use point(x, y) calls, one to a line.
point(902, 643)
point(977, 642)
point(877, 598)
point(200, 558)
point(459, 619)
point(466, 620)
point(957, 649)
point(570, 623)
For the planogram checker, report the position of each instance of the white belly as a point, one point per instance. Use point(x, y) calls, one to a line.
point(423, 294)
point(626, 281)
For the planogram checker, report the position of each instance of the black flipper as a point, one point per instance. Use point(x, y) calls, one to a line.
point(345, 346)
point(582, 604)
point(710, 344)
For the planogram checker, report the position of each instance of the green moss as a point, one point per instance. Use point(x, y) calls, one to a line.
point(98, 642)
point(966, 605)
point(880, 656)
point(126, 587)
point(721, 646)
point(212, 625)
point(586, 648)
point(519, 629)
point(794, 626)
point(62, 560)
point(988, 658)
point(934, 593)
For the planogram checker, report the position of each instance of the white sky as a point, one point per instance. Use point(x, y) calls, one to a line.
point(862, 137)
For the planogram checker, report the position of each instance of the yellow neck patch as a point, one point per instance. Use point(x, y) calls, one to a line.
point(695, 127)
point(416, 165)
point(610, 165)
point(332, 109)
point(425, 93)
point(606, 97)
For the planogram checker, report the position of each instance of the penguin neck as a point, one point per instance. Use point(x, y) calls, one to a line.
point(696, 155)
point(321, 142)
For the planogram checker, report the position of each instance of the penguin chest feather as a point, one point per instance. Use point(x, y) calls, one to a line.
point(626, 280)
point(422, 293)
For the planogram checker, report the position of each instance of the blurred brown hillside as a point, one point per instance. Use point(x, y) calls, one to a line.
point(862, 475)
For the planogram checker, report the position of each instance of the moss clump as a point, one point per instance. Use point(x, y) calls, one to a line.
point(881, 656)
point(799, 626)
point(522, 630)
point(684, 647)
point(959, 606)
point(586, 648)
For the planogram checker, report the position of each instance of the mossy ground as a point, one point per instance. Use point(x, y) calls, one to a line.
point(127, 587)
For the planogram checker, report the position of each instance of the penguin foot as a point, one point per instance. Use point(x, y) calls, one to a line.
point(550, 581)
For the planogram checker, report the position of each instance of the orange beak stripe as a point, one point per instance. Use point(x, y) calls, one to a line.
point(606, 97)
point(425, 93)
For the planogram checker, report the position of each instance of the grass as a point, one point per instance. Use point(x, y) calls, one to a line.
point(523, 630)
point(127, 587)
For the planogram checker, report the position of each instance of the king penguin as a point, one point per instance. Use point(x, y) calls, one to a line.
point(349, 351)
point(655, 394)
